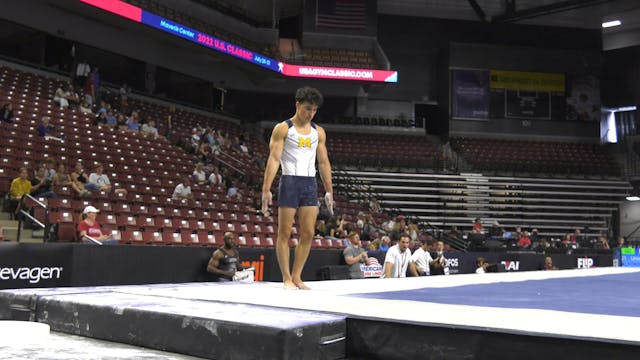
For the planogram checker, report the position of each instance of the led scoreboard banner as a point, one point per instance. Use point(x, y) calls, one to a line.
point(137, 14)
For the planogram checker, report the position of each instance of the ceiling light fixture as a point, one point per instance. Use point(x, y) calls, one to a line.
point(612, 23)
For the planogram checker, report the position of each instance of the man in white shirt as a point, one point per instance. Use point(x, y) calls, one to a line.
point(215, 178)
point(421, 260)
point(150, 129)
point(397, 259)
point(183, 190)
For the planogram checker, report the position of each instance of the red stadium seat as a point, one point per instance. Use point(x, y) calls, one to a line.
point(115, 234)
point(121, 208)
point(178, 223)
point(127, 222)
point(152, 237)
point(140, 209)
point(242, 240)
point(215, 238)
point(254, 241)
point(106, 219)
point(131, 237)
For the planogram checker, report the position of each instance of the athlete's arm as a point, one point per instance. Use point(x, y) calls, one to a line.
point(276, 145)
point(324, 167)
point(214, 262)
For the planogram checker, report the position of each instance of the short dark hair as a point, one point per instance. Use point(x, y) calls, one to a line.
point(309, 95)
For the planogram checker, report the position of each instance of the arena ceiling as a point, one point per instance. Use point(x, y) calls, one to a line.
point(565, 13)
point(582, 14)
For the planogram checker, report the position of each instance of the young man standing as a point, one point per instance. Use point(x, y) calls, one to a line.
point(295, 144)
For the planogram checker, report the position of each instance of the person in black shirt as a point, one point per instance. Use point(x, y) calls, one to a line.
point(6, 113)
point(40, 186)
point(225, 261)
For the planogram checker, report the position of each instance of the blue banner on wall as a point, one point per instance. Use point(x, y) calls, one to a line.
point(470, 94)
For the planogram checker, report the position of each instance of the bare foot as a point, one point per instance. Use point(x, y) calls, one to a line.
point(301, 285)
point(289, 285)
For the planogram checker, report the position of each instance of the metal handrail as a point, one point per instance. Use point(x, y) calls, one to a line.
point(44, 225)
point(95, 241)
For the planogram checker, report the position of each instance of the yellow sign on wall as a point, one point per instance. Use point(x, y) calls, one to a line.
point(520, 80)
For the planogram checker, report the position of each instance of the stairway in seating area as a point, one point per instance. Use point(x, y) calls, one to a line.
point(9, 231)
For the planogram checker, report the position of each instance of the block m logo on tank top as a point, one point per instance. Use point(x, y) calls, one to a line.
point(304, 142)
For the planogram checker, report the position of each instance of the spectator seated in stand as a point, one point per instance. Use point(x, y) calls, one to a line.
point(320, 228)
point(199, 176)
point(150, 129)
point(385, 243)
point(215, 179)
point(111, 119)
point(525, 241)
point(100, 180)
point(477, 226)
point(233, 190)
point(602, 243)
point(132, 122)
point(101, 119)
point(354, 255)
point(6, 113)
point(40, 186)
point(60, 97)
point(543, 246)
point(62, 178)
point(45, 129)
point(72, 97)
point(374, 245)
point(89, 227)
point(182, 191)
point(121, 122)
point(20, 186)
point(195, 138)
point(49, 169)
point(85, 107)
point(204, 152)
point(80, 176)
point(495, 231)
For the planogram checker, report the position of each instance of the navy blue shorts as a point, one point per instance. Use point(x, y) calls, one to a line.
point(297, 191)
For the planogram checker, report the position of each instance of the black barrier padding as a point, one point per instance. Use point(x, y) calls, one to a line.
point(197, 336)
point(372, 339)
point(37, 265)
point(334, 272)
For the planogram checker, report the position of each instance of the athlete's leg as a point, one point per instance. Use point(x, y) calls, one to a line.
point(285, 222)
point(307, 219)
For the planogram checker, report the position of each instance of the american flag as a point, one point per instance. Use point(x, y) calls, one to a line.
point(374, 261)
point(342, 14)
